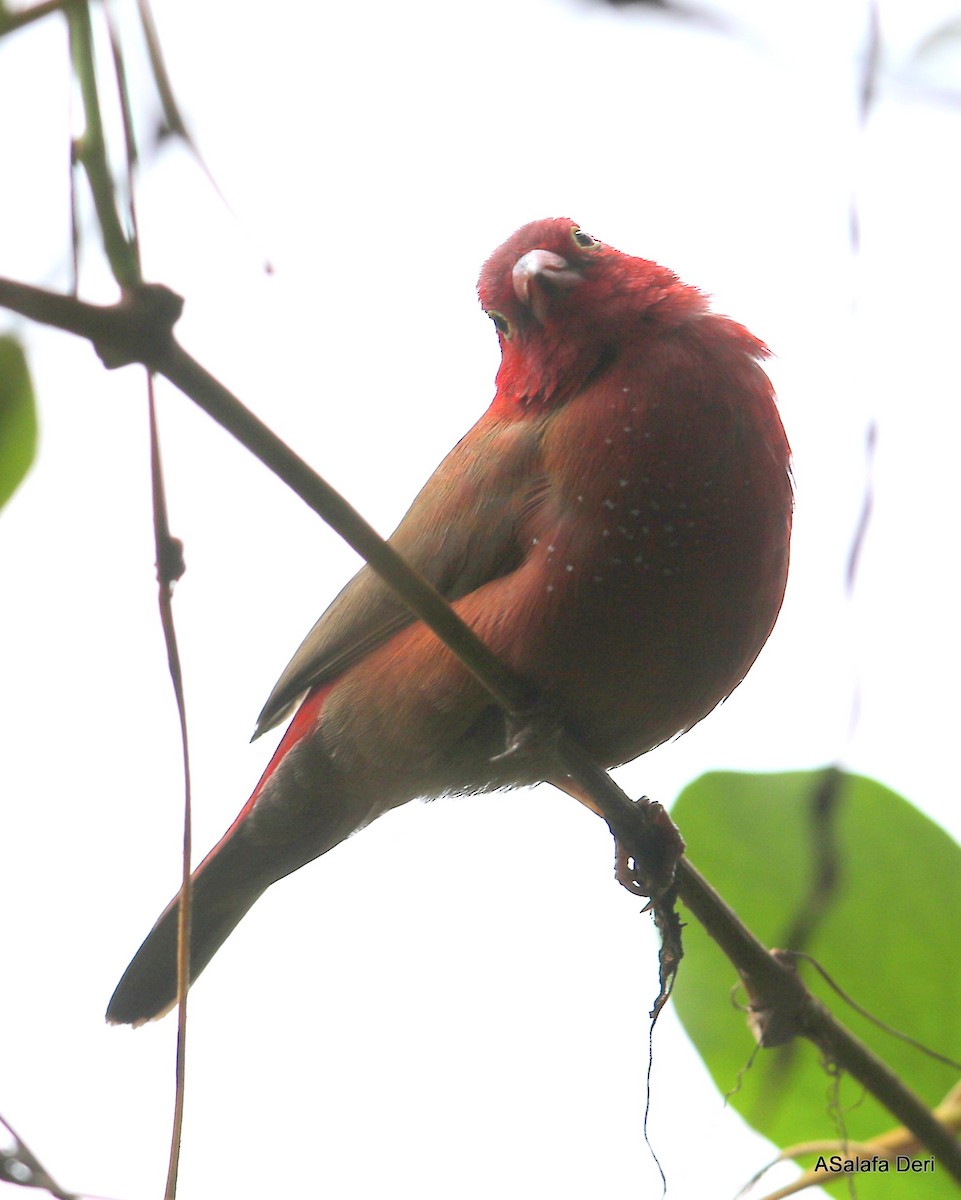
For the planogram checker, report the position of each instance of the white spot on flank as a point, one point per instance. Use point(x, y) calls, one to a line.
point(622, 483)
point(550, 587)
point(569, 567)
point(608, 504)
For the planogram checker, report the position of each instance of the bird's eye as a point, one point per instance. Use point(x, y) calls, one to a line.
point(501, 323)
point(582, 239)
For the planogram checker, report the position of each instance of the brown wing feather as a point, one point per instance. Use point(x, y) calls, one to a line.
point(460, 532)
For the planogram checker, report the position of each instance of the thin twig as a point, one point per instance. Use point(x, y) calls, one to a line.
point(170, 567)
point(24, 1168)
point(934, 1055)
point(11, 21)
point(91, 152)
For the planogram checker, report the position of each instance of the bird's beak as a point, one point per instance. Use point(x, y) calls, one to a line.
point(541, 267)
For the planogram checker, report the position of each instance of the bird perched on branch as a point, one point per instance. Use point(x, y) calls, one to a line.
point(615, 528)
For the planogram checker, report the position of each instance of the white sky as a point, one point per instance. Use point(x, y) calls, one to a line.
point(452, 1003)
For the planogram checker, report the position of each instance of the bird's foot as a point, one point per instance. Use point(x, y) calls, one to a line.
point(652, 873)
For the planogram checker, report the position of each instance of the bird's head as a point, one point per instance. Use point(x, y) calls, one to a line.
point(563, 303)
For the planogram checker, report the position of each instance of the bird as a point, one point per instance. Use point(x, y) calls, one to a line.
point(615, 527)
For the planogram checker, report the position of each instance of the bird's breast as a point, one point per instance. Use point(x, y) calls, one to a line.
point(658, 558)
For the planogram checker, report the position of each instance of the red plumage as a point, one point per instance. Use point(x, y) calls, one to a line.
point(616, 527)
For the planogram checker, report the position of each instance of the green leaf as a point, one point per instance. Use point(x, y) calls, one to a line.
point(18, 418)
point(884, 920)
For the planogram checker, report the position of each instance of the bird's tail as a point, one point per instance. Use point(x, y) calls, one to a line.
point(148, 988)
point(260, 847)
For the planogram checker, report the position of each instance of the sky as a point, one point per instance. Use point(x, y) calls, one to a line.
point(453, 1002)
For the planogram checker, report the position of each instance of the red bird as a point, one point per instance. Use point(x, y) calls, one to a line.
point(615, 527)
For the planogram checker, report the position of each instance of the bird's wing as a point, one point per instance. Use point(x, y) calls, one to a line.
point(460, 532)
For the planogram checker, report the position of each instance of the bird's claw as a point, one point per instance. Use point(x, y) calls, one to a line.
point(663, 846)
point(627, 874)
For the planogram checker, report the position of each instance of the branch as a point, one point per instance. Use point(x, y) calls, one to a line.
point(11, 21)
point(90, 150)
point(140, 329)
